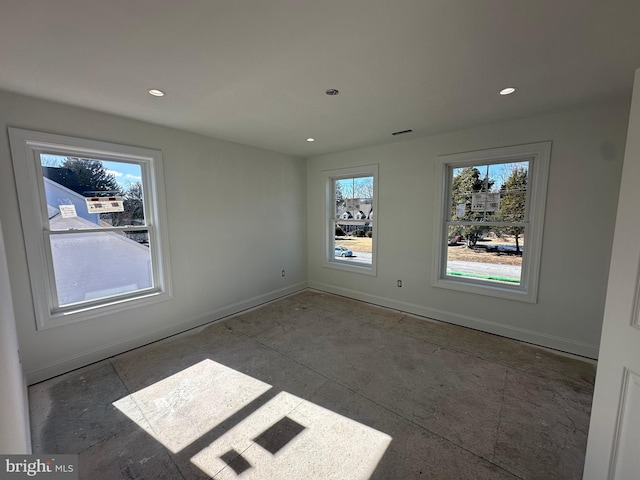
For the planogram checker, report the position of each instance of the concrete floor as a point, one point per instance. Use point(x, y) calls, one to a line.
point(316, 386)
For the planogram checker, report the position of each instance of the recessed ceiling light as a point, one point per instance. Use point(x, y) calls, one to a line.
point(507, 91)
point(310, 139)
point(155, 92)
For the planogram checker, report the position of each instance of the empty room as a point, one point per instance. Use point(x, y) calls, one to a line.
point(319, 240)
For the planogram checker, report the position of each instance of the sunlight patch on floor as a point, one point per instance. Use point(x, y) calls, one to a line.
point(288, 437)
point(181, 408)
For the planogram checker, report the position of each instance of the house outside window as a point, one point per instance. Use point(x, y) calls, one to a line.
point(491, 212)
point(93, 221)
point(351, 207)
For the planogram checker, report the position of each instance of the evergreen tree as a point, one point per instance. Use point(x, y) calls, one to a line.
point(467, 182)
point(513, 195)
point(88, 177)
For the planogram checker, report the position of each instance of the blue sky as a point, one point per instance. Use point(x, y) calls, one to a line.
point(125, 173)
point(351, 187)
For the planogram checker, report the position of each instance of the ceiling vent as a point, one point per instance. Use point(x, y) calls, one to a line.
point(402, 132)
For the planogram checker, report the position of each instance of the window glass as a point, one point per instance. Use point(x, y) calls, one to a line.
point(88, 193)
point(487, 218)
point(353, 215)
point(97, 265)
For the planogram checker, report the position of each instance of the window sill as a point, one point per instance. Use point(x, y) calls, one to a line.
point(494, 290)
point(348, 266)
point(84, 312)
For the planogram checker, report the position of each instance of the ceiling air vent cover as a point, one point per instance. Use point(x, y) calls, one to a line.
point(402, 132)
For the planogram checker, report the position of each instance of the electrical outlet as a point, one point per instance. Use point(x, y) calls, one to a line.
point(399, 283)
point(283, 273)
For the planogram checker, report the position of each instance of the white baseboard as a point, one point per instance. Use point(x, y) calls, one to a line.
point(542, 339)
point(107, 351)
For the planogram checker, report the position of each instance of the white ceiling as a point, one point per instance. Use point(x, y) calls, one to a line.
point(255, 71)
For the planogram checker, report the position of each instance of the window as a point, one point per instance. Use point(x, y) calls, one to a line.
point(351, 219)
point(492, 210)
point(93, 221)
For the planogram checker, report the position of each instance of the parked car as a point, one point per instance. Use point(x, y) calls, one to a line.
point(454, 240)
point(343, 252)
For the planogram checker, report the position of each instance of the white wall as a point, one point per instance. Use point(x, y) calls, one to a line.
point(14, 411)
point(586, 162)
point(614, 426)
point(238, 215)
point(236, 218)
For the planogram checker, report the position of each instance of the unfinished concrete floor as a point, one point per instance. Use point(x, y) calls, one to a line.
point(316, 386)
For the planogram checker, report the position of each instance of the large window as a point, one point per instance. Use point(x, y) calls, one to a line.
point(93, 224)
point(351, 219)
point(492, 211)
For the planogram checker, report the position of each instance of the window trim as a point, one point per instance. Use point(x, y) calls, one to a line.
point(330, 176)
point(26, 147)
point(538, 154)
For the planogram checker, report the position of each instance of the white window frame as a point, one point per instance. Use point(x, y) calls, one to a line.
point(26, 147)
point(538, 155)
point(330, 177)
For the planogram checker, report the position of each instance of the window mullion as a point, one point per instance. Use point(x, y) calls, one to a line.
point(486, 223)
point(99, 230)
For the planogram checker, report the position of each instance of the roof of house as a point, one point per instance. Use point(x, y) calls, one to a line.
point(91, 265)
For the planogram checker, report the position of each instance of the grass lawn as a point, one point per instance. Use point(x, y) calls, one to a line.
point(481, 255)
point(454, 252)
